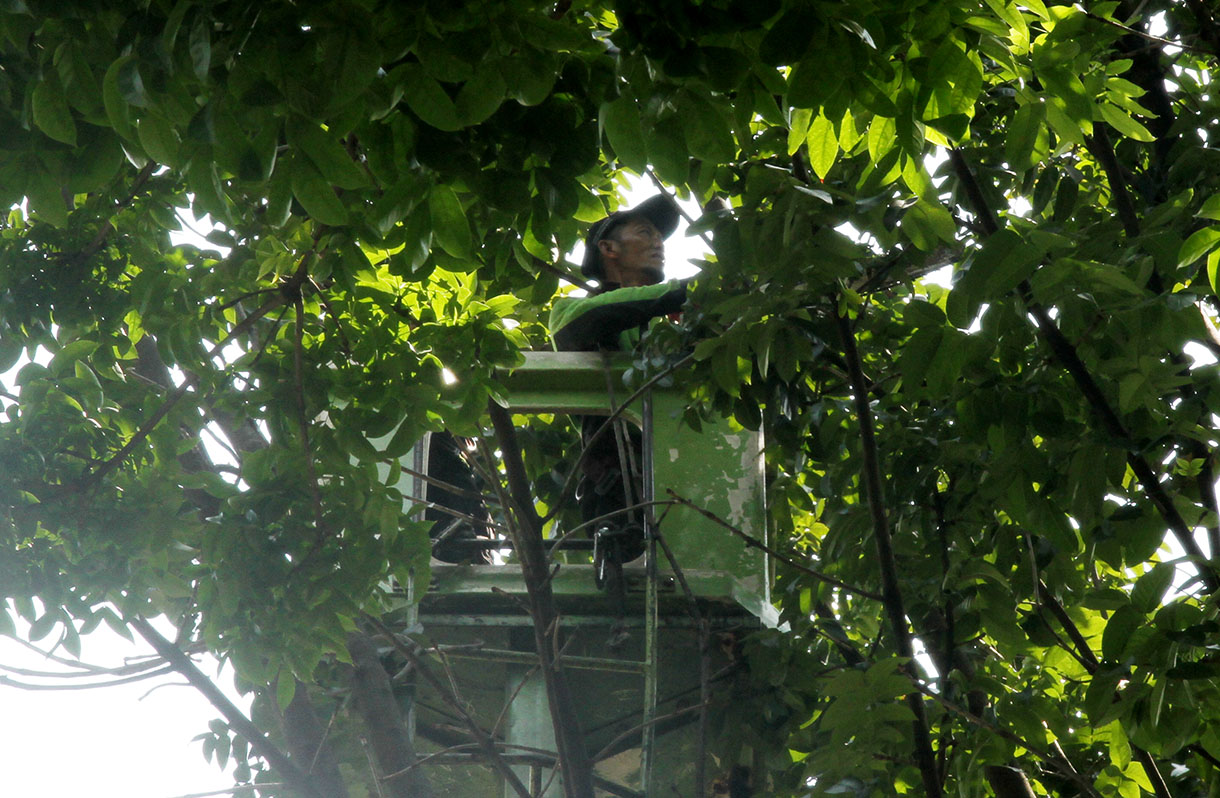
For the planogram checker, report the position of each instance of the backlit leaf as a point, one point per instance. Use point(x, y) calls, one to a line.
point(316, 194)
point(450, 229)
point(621, 121)
point(1198, 244)
point(823, 146)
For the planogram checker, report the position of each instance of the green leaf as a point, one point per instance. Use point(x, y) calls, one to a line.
point(51, 112)
point(201, 46)
point(204, 181)
point(823, 146)
point(917, 354)
point(1120, 748)
point(921, 313)
point(1199, 244)
point(849, 132)
point(1037, 7)
point(46, 197)
point(531, 80)
point(798, 128)
point(1119, 628)
point(707, 129)
point(159, 139)
point(1027, 125)
point(668, 153)
point(43, 626)
point(428, 100)
point(928, 224)
point(113, 100)
point(316, 195)
point(1150, 588)
point(1017, 264)
point(481, 95)
point(450, 229)
point(1210, 208)
point(286, 687)
point(1124, 124)
point(173, 23)
point(327, 154)
point(620, 120)
point(882, 135)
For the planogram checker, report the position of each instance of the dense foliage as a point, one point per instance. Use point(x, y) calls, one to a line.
point(1021, 465)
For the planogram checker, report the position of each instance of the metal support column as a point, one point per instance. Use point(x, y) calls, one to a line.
point(651, 659)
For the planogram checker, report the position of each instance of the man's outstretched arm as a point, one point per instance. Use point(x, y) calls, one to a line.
point(596, 322)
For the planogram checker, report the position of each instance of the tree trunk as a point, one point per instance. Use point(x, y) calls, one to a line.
point(307, 744)
point(387, 733)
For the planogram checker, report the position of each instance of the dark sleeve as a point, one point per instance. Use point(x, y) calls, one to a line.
point(606, 317)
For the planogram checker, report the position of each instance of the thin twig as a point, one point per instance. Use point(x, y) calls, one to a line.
point(344, 343)
point(1062, 765)
point(187, 384)
point(606, 425)
point(758, 544)
point(10, 682)
point(562, 274)
point(1148, 36)
point(149, 661)
point(232, 715)
point(378, 777)
point(656, 181)
point(262, 785)
point(495, 729)
point(609, 748)
point(298, 389)
point(99, 239)
point(431, 480)
point(486, 744)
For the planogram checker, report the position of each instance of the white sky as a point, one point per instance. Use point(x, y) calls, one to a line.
point(111, 742)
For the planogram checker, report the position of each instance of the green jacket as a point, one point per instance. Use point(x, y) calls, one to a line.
point(611, 321)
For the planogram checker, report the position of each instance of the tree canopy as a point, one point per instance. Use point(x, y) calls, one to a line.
point(963, 276)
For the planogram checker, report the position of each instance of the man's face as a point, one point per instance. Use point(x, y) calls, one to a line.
point(635, 250)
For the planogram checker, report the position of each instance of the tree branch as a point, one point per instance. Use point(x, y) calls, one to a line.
point(307, 741)
point(232, 715)
point(891, 591)
point(527, 540)
point(387, 733)
point(1059, 763)
point(1065, 353)
point(1146, 36)
point(485, 743)
point(191, 380)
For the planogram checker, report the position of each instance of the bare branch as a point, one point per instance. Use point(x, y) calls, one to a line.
point(486, 744)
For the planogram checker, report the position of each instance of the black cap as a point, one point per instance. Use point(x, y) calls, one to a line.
point(661, 210)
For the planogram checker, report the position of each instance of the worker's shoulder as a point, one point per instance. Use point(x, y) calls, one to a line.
point(563, 309)
point(568, 308)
